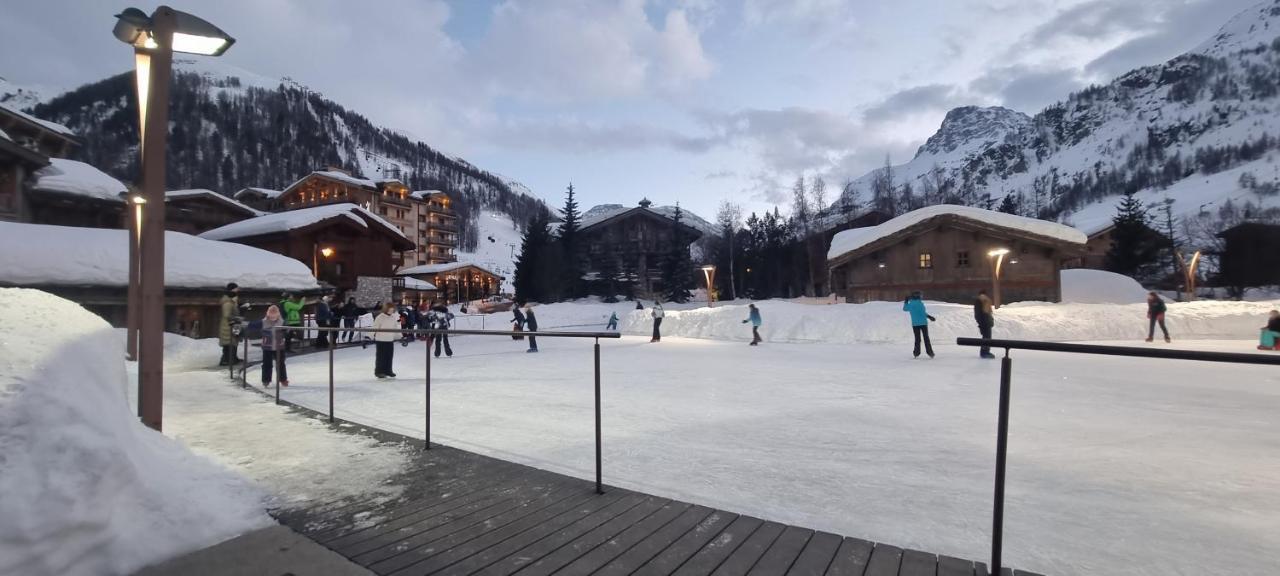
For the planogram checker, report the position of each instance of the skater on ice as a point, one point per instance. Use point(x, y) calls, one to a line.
point(755, 320)
point(657, 314)
point(613, 322)
point(920, 320)
point(531, 326)
point(1270, 332)
point(291, 307)
point(1155, 314)
point(350, 311)
point(230, 315)
point(272, 345)
point(984, 314)
point(324, 319)
point(439, 318)
point(517, 321)
point(385, 342)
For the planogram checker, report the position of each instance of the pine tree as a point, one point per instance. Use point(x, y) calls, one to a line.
point(607, 282)
point(1134, 251)
point(531, 265)
point(572, 267)
point(677, 267)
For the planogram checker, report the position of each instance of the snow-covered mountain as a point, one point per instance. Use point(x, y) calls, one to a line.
point(1176, 129)
point(19, 97)
point(232, 128)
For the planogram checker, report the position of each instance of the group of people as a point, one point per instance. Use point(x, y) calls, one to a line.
point(525, 321)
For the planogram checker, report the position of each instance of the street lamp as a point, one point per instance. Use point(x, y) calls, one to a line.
point(1189, 273)
point(709, 271)
point(154, 39)
point(998, 254)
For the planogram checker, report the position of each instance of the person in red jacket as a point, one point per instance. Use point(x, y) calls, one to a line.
point(1155, 314)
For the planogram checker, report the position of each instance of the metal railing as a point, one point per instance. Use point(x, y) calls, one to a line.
point(426, 443)
point(1006, 375)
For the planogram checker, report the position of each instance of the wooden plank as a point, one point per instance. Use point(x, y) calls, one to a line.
point(568, 553)
point(777, 560)
point(427, 559)
point(746, 555)
point(851, 559)
point(885, 561)
point(543, 547)
point(686, 546)
point(603, 554)
point(612, 503)
point(817, 556)
point(948, 566)
point(714, 553)
point(917, 563)
point(646, 549)
point(440, 539)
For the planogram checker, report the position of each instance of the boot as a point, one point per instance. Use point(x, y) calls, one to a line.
point(225, 356)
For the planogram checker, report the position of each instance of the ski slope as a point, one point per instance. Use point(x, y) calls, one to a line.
point(498, 247)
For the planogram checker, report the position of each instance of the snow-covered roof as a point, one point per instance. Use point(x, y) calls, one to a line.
point(264, 192)
point(411, 283)
point(72, 177)
point(47, 125)
point(201, 192)
point(301, 218)
point(423, 194)
point(5, 136)
point(441, 268)
point(344, 177)
point(599, 214)
point(850, 240)
point(70, 256)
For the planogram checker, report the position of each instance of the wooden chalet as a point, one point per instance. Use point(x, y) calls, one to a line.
point(17, 164)
point(264, 199)
point(1098, 243)
point(71, 193)
point(456, 281)
point(945, 250)
point(637, 239)
point(1250, 256)
point(197, 211)
point(49, 139)
point(338, 242)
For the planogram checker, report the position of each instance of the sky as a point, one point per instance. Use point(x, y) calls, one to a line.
point(689, 101)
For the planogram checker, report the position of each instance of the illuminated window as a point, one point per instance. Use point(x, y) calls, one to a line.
point(962, 259)
point(926, 260)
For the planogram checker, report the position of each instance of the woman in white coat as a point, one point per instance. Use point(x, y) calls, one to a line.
point(384, 342)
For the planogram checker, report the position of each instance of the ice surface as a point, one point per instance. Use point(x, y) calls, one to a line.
point(86, 488)
point(70, 256)
point(72, 177)
point(850, 240)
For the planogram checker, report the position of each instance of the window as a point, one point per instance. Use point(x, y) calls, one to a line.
point(926, 260)
point(382, 210)
point(962, 259)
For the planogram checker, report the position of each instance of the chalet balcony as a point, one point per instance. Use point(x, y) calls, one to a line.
point(434, 208)
point(444, 226)
point(443, 239)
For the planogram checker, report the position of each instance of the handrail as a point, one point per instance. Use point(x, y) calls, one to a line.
point(1131, 351)
point(1006, 378)
point(427, 377)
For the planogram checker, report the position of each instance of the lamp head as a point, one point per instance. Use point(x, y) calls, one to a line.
point(191, 34)
point(326, 251)
point(998, 252)
point(709, 268)
point(133, 27)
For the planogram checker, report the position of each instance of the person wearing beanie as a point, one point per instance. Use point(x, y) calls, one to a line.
point(229, 306)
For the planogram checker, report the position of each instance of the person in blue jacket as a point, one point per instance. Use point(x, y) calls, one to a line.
point(920, 319)
point(755, 320)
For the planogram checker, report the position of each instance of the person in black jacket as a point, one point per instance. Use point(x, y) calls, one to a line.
point(1155, 313)
point(349, 313)
point(984, 315)
point(517, 322)
point(531, 324)
point(439, 317)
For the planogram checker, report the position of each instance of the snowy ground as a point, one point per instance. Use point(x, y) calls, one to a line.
point(1117, 465)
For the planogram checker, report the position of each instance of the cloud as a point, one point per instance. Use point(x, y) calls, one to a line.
point(914, 101)
point(1179, 28)
point(1028, 88)
point(575, 135)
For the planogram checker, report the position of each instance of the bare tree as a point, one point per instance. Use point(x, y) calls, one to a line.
point(818, 194)
point(882, 196)
point(729, 217)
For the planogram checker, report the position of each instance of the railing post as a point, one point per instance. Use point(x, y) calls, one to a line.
point(599, 485)
point(279, 360)
point(1002, 446)
point(426, 425)
point(244, 365)
point(332, 344)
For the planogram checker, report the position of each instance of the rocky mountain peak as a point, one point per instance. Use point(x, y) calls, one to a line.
point(967, 126)
point(1256, 26)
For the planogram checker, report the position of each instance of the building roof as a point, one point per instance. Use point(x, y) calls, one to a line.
point(442, 268)
point(335, 175)
point(609, 213)
point(210, 194)
point(282, 222)
point(45, 125)
point(70, 256)
point(72, 177)
point(425, 194)
point(13, 149)
point(263, 192)
point(411, 283)
point(851, 243)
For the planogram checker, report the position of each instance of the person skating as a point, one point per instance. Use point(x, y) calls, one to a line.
point(350, 311)
point(440, 318)
point(1155, 314)
point(1270, 333)
point(984, 314)
point(657, 314)
point(613, 322)
point(920, 319)
point(531, 326)
point(324, 319)
point(272, 346)
point(229, 306)
point(385, 342)
point(639, 305)
point(409, 320)
point(292, 311)
point(517, 322)
point(755, 320)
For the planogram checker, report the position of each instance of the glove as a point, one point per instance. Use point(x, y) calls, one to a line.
point(744, 321)
point(931, 318)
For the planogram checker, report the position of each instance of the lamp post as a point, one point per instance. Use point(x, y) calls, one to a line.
point(1189, 273)
point(316, 253)
point(998, 254)
point(154, 39)
point(133, 222)
point(709, 272)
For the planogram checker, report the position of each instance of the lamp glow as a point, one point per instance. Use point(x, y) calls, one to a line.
point(998, 252)
point(203, 45)
point(326, 252)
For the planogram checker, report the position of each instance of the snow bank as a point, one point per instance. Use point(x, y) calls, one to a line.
point(182, 353)
point(87, 489)
point(70, 256)
point(1084, 286)
point(885, 322)
point(71, 177)
point(850, 240)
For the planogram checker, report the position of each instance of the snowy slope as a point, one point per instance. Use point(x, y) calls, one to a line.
point(498, 247)
point(19, 97)
point(1254, 27)
point(87, 488)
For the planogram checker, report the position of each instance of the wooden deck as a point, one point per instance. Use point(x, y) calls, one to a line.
point(463, 513)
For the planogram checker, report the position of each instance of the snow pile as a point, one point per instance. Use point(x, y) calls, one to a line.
point(294, 219)
point(87, 489)
point(885, 322)
point(263, 192)
point(1084, 286)
point(850, 240)
point(183, 353)
point(70, 256)
point(71, 177)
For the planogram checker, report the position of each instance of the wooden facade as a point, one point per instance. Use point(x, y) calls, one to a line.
point(426, 218)
point(947, 258)
point(46, 138)
point(816, 246)
point(456, 281)
point(637, 239)
point(16, 166)
point(197, 211)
